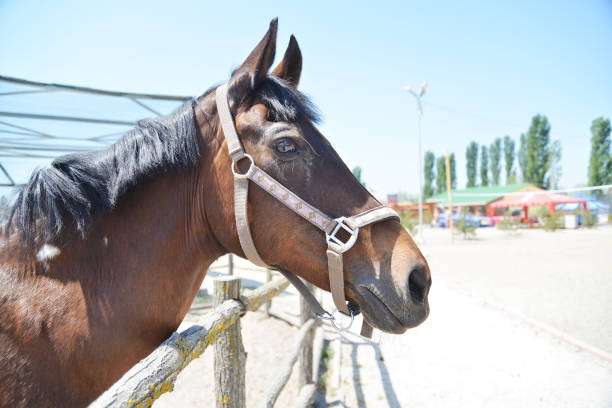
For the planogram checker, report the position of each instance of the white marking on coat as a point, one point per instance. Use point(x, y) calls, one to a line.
point(47, 252)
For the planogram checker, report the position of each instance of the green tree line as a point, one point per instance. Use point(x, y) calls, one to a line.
point(538, 158)
point(434, 173)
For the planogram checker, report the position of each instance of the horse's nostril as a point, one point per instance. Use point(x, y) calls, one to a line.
point(418, 284)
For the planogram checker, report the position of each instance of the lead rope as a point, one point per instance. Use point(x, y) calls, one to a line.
point(336, 246)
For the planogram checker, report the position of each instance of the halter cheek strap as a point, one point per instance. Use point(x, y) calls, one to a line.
point(336, 246)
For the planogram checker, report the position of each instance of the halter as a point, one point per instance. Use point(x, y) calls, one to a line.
point(336, 246)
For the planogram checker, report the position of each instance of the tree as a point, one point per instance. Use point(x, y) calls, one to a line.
point(357, 174)
point(496, 152)
point(600, 162)
point(522, 156)
point(471, 157)
point(402, 197)
point(453, 171)
point(484, 166)
point(509, 159)
point(535, 154)
point(441, 174)
point(429, 174)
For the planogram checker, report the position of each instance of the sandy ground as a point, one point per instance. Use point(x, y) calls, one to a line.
point(467, 353)
point(562, 278)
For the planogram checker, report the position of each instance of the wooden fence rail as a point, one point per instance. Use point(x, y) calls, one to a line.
point(156, 374)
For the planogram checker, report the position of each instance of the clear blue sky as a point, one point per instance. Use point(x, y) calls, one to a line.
point(490, 66)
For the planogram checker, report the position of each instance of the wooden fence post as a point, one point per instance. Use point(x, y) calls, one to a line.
point(230, 264)
point(305, 366)
point(230, 357)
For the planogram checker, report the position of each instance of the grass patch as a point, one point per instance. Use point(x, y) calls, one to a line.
point(552, 221)
point(588, 219)
point(328, 355)
point(509, 224)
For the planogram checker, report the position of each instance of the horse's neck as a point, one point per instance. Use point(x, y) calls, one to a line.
point(143, 261)
point(89, 309)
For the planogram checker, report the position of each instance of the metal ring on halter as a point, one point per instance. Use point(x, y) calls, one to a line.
point(332, 320)
point(341, 225)
point(235, 162)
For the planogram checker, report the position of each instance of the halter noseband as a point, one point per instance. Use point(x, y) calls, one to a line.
point(330, 226)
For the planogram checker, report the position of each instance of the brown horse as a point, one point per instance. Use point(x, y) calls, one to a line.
point(104, 252)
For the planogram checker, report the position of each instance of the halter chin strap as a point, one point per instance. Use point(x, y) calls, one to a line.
point(332, 227)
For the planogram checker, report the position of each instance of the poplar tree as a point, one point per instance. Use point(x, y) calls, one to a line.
point(484, 166)
point(428, 174)
point(495, 152)
point(509, 159)
point(453, 171)
point(440, 174)
point(471, 157)
point(535, 153)
point(600, 162)
point(357, 173)
point(522, 157)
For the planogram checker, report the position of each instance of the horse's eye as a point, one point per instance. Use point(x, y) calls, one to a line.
point(285, 146)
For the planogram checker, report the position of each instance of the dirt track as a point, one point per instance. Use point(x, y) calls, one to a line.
point(561, 278)
point(467, 353)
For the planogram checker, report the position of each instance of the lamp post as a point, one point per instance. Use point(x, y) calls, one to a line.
point(418, 97)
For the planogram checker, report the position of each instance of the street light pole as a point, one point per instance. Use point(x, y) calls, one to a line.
point(418, 97)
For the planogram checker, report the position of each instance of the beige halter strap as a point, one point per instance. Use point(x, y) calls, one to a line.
point(330, 226)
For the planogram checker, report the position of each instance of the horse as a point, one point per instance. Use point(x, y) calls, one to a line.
point(104, 252)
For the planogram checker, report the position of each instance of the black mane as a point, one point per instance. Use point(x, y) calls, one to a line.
point(66, 195)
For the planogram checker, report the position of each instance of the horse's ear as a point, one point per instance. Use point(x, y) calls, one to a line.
point(254, 69)
point(290, 68)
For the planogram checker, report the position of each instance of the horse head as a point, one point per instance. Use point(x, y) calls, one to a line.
point(384, 272)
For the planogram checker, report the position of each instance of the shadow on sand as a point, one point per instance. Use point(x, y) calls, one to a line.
point(390, 395)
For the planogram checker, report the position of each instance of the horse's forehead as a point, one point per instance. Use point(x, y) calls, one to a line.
point(251, 118)
point(255, 117)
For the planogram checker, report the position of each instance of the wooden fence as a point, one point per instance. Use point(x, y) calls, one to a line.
point(156, 374)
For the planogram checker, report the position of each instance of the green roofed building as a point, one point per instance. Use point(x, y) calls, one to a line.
point(479, 197)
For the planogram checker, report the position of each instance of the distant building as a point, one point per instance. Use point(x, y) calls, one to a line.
point(411, 209)
point(476, 199)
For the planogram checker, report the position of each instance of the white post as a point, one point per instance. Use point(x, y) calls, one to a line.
point(418, 97)
point(420, 176)
point(230, 264)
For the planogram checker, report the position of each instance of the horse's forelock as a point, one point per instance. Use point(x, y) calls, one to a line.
point(284, 102)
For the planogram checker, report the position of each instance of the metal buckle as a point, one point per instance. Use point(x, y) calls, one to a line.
point(332, 319)
point(235, 162)
point(344, 246)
